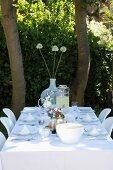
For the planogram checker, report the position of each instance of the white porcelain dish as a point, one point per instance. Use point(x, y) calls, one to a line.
point(28, 119)
point(23, 138)
point(19, 133)
point(94, 131)
point(25, 131)
point(89, 120)
point(85, 109)
point(29, 109)
point(69, 132)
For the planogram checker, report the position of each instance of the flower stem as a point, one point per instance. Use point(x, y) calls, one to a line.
point(54, 64)
point(58, 64)
point(45, 63)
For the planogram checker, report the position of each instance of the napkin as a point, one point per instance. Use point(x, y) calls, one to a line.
point(87, 118)
point(94, 131)
point(30, 117)
point(24, 131)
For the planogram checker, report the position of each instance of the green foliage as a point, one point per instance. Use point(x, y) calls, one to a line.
point(100, 77)
point(105, 36)
point(107, 14)
point(5, 77)
point(54, 25)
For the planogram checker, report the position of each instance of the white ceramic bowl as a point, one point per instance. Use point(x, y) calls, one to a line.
point(69, 132)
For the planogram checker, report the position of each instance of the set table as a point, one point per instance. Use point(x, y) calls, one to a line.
point(30, 152)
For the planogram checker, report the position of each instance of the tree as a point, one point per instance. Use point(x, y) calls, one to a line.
point(8, 11)
point(82, 9)
point(83, 65)
point(107, 17)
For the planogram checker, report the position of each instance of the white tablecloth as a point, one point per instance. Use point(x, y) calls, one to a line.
point(51, 154)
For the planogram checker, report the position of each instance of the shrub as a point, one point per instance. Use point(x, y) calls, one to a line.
point(54, 25)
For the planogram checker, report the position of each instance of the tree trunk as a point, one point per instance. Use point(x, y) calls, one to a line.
point(15, 55)
point(83, 65)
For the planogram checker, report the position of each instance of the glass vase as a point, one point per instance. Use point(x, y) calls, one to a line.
point(51, 92)
point(62, 99)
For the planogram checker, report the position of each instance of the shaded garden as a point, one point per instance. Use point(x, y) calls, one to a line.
point(54, 25)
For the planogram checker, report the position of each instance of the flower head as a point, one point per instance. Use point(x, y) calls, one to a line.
point(39, 46)
point(55, 65)
point(55, 48)
point(63, 49)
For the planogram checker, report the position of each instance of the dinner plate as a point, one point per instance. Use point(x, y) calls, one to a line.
point(18, 133)
point(25, 131)
point(93, 120)
point(29, 109)
point(24, 138)
point(96, 134)
point(24, 119)
point(85, 109)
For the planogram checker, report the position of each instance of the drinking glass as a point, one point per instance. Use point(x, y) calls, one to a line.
point(44, 132)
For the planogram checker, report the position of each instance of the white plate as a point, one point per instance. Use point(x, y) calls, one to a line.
point(25, 131)
point(25, 138)
point(18, 133)
point(24, 119)
point(99, 133)
point(85, 109)
point(29, 108)
point(93, 120)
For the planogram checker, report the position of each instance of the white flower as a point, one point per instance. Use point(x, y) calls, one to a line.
point(39, 46)
point(63, 49)
point(55, 48)
point(55, 65)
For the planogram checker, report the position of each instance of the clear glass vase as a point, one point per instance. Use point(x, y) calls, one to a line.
point(51, 92)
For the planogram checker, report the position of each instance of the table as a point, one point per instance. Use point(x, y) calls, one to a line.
point(50, 154)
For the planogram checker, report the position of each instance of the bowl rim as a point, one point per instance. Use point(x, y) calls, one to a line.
point(78, 125)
